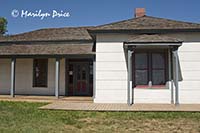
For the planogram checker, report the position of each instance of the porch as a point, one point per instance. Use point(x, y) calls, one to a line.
point(46, 99)
point(61, 105)
point(61, 69)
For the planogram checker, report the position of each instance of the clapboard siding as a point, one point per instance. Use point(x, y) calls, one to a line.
point(103, 57)
point(111, 57)
point(190, 96)
point(109, 47)
point(111, 75)
point(190, 65)
point(111, 96)
point(190, 56)
point(191, 75)
point(189, 85)
point(190, 47)
point(111, 85)
point(152, 96)
point(112, 65)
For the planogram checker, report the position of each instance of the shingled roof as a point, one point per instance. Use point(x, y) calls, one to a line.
point(148, 23)
point(46, 49)
point(51, 34)
point(155, 38)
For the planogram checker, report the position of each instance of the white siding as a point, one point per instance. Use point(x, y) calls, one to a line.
point(152, 95)
point(24, 77)
point(190, 65)
point(111, 73)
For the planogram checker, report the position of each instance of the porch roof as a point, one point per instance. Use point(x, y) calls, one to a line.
point(46, 49)
point(50, 34)
point(152, 38)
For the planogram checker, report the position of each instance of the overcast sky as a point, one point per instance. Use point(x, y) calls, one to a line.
point(90, 12)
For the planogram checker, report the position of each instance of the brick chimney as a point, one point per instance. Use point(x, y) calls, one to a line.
point(140, 12)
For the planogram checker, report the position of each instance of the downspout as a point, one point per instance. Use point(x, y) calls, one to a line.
point(176, 72)
point(129, 81)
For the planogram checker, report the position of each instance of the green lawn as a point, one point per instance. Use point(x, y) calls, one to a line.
point(26, 117)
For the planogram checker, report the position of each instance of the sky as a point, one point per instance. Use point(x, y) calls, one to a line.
point(90, 12)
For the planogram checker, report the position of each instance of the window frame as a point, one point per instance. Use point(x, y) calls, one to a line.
point(150, 69)
point(34, 84)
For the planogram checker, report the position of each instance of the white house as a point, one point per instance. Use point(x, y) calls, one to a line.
point(140, 60)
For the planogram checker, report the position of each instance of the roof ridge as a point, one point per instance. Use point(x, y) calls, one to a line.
point(121, 21)
point(56, 28)
point(180, 21)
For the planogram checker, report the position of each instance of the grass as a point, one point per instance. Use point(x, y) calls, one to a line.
point(26, 117)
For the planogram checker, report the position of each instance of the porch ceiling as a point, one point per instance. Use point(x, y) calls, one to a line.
point(46, 49)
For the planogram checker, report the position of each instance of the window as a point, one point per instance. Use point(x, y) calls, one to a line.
point(40, 69)
point(150, 66)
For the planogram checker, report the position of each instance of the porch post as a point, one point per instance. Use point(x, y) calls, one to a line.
point(176, 76)
point(57, 76)
point(171, 86)
point(130, 91)
point(94, 77)
point(12, 88)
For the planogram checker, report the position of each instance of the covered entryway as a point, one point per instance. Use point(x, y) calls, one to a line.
point(153, 69)
point(40, 69)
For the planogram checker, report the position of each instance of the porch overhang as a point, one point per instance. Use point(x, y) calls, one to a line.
point(46, 49)
point(154, 41)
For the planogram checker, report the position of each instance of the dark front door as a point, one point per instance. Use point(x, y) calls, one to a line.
point(79, 76)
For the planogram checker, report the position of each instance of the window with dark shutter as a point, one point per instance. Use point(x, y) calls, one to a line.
point(40, 70)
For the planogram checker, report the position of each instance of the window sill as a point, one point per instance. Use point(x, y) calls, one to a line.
point(154, 87)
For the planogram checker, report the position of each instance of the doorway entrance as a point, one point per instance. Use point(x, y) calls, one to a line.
point(80, 78)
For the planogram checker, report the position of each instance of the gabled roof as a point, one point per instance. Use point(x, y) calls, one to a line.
point(140, 24)
point(148, 23)
point(51, 34)
point(155, 38)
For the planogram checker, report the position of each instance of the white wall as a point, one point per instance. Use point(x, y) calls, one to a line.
point(189, 55)
point(111, 71)
point(24, 77)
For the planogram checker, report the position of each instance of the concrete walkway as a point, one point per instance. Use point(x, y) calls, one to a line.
point(121, 107)
point(86, 104)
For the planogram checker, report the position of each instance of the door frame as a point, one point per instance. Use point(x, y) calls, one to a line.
point(75, 77)
point(67, 63)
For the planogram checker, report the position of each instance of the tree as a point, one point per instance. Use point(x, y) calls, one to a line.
point(3, 26)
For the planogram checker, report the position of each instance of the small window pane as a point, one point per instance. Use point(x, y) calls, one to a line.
point(158, 77)
point(83, 73)
point(141, 77)
point(141, 61)
point(78, 72)
point(158, 60)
